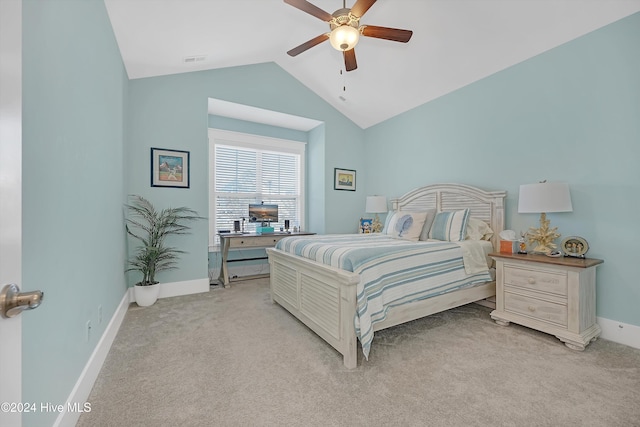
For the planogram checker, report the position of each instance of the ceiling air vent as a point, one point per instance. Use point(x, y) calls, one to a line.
point(194, 59)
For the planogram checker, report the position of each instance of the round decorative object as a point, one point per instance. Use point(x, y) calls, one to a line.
point(575, 246)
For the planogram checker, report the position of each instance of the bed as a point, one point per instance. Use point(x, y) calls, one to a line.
point(329, 298)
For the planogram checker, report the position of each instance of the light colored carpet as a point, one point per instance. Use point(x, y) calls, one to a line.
point(233, 358)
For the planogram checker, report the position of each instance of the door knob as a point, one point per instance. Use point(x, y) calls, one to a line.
point(14, 302)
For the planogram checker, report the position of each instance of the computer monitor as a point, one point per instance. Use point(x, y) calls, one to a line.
point(263, 213)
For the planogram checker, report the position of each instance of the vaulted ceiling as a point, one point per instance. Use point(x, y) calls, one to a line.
point(454, 43)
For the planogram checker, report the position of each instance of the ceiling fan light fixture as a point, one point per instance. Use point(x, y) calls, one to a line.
point(344, 37)
point(345, 29)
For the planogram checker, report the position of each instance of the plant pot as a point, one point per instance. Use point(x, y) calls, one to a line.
point(146, 295)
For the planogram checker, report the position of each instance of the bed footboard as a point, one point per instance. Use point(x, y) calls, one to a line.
point(322, 297)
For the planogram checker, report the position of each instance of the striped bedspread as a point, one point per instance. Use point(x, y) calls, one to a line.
point(393, 271)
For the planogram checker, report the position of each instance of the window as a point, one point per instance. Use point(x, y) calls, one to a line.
point(248, 169)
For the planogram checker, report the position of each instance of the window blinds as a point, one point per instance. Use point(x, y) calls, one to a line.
point(247, 175)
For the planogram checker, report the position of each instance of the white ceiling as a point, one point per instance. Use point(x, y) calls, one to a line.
point(454, 43)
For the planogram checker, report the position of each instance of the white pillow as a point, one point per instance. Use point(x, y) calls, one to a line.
point(478, 230)
point(450, 226)
point(405, 225)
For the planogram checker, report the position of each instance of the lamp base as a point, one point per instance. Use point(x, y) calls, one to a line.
point(376, 225)
point(543, 237)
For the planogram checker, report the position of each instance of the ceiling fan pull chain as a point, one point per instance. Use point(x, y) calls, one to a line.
point(344, 86)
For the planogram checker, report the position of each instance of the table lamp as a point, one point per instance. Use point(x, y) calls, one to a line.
point(376, 205)
point(544, 197)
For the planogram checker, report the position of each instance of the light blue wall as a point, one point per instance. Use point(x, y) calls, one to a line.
point(171, 112)
point(74, 87)
point(571, 114)
point(316, 181)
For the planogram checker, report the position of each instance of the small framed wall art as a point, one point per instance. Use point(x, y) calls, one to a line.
point(169, 168)
point(344, 179)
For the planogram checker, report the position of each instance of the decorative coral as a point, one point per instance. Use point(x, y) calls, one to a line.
point(376, 225)
point(543, 237)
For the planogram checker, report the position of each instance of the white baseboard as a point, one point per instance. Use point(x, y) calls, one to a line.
point(187, 287)
point(175, 289)
point(87, 379)
point(622, 333)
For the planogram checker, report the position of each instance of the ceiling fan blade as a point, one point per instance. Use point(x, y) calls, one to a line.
point(350, 63)
point(311, 9)
point(361, 7)
point(308, 45)
point(393, 34)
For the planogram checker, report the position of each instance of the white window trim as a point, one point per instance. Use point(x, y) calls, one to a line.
point(256, 142)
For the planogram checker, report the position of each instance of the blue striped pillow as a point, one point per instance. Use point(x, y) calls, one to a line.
point(450, 226)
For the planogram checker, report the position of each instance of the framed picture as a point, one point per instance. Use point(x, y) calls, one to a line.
point(574, 246)
point(344, 179)
point(366, 225)
point(169, 168)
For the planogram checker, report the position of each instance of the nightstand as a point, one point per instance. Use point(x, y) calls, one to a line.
point(552, 295)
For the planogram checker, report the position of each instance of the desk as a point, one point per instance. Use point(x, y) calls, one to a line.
point(248, 241)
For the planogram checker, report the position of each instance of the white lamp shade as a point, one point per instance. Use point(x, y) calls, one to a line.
point(544, 197)
point(344, 37)
point(376, 204)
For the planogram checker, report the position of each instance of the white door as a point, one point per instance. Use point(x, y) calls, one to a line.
point(10, 204)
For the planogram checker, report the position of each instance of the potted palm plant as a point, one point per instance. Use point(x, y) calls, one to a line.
point(151, 227)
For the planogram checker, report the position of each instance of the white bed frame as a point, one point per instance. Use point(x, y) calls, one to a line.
point(324, 297)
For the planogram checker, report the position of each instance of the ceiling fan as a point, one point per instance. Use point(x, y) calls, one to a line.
point(346, 29)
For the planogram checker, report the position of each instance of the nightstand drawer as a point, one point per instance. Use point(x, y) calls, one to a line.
point(538, 309)
point(544, 281)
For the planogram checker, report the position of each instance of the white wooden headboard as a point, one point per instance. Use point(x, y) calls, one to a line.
point(487, 206)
